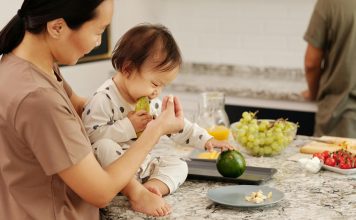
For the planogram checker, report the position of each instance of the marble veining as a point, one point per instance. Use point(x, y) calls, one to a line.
point(270, 83)
point(242, 81)
point(325, 195)
point(243, 71)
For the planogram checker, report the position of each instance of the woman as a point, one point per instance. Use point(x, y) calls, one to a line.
point(48, 170)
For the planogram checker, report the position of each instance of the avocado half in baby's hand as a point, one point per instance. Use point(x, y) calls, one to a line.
point(231, 163)
point(142, 103)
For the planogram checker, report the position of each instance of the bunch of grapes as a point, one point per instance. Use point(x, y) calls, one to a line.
point(263, 137)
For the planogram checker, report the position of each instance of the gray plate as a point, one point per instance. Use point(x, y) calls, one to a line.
point(235, 195)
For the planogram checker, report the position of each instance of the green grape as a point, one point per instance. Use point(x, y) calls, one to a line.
point(245, 127)
point(257, 142)
point(252, 129)
point(277, 129)
point(268, 140)
point(268, 150)
point(279, 141)
point(265, 123)
point(275, 146)
point(239, 125)
point(261, 151)
point(262, 127)
point(261, 139)
point(254, 122)
point(247, 116)
point(250, 137)
point(242, 132)
point(250, 144)
point(255, 150)
point(244, 140)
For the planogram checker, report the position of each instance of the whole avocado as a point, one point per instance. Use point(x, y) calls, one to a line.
point(231, 163)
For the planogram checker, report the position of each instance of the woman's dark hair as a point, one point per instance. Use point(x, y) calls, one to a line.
point(141, 42)
point(34, 15)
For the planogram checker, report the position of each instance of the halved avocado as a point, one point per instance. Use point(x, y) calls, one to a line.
point(231, 163)
point(143, 103)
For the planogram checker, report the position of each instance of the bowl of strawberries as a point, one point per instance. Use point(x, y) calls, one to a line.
point(340, 161)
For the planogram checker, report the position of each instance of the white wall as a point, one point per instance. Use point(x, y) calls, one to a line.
point(8, 10)
point(242, 32)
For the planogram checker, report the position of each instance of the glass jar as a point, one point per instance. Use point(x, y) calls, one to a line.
point(212, 116)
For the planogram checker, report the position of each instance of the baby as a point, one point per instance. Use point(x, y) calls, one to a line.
point(146, 59)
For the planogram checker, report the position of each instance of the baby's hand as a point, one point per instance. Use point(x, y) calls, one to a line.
point(139, 119)
point(213, 143)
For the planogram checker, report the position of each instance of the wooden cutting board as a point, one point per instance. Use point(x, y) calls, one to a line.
point(319, 146)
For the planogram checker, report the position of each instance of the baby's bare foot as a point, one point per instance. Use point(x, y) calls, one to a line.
point(153, 189)
point(157, 186)
point(150, 204)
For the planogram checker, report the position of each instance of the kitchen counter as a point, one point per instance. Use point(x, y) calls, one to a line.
point(325, 195)
point(244, 85)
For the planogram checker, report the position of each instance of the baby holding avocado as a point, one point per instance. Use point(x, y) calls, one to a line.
point(146, 59)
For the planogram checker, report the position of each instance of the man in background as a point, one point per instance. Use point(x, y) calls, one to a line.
point(330, 67)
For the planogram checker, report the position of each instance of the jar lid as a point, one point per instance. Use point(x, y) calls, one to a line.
point(212, 100)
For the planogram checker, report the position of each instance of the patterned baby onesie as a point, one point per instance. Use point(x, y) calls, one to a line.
point(111, 133)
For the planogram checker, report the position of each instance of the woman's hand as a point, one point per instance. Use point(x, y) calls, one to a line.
point(171, 119)
point(213, 143)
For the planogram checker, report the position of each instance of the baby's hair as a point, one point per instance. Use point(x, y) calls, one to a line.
point(145, 41)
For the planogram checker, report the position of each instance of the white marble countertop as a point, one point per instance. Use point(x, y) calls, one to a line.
point(250, 86)
point(325, 195)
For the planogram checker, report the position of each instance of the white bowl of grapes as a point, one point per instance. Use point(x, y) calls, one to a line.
point(263, 137)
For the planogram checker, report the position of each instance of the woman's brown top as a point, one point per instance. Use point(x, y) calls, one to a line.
point(40, 135)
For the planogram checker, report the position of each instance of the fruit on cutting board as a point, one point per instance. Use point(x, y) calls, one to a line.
point(209, 155)
point(329, 143)
point(231, 163)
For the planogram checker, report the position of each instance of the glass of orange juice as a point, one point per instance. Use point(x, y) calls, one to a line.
point(219, 132)
point(212, 116)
